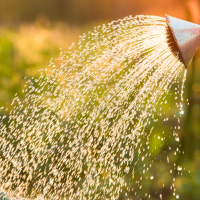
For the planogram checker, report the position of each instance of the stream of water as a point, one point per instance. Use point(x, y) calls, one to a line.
point(84, 125)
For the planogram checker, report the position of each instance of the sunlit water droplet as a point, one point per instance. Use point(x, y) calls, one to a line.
point(179, 168)
point(181, 112)
point(177, 139)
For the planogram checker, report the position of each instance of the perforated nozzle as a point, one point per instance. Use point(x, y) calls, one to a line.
point(187, 37)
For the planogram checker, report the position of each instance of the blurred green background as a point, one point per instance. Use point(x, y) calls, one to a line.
point(33, 32)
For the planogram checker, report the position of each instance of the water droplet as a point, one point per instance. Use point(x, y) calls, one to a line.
point(177, 139)
point(181, 112)
point(179, 168)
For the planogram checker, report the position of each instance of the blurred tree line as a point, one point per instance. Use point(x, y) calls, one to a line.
point(80, 12)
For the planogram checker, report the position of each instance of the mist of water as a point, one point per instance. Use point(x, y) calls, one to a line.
point(85, 123)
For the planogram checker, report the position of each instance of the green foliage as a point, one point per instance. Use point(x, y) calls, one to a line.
point(26, 50)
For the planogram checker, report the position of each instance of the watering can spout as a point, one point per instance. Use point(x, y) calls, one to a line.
point(187, 37)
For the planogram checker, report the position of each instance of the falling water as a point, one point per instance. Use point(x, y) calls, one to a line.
point(85, 123)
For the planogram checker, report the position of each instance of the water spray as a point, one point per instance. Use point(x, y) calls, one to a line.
point(186, 36)
point(87, 126)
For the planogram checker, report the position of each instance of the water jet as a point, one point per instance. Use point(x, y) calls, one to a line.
point(86, 127)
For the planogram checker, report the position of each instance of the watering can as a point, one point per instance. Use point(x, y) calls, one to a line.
point(186, 36)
